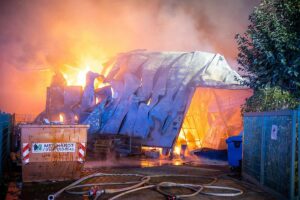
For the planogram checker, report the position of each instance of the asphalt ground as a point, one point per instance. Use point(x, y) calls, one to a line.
point(178, 172)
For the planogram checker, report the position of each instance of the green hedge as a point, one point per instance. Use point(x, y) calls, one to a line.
point(270, 99)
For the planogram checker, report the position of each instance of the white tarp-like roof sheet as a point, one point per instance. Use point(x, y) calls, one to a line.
point(152, 91)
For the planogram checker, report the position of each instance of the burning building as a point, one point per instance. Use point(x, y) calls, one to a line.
point(193, 98)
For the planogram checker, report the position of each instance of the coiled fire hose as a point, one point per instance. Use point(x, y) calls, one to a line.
point(236, 191)
point(197, 188)
point(74, 185)
point(138, 185)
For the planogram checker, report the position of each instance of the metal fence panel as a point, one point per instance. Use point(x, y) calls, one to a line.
point(5, 133)
point(279, 153)
point(298, 156)
point(252, 146)
point(270, 148)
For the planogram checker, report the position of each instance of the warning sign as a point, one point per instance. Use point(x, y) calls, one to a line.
point(53, 147)
point(274, 131)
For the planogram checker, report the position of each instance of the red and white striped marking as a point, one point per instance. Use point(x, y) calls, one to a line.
point(25, 153)
point(81, 151)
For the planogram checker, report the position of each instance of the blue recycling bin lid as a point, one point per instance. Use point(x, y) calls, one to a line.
point(237, 138)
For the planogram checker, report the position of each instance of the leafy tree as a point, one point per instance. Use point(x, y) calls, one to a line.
point(270, 99)
point(269, 50)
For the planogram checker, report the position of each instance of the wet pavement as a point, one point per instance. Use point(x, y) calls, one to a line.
point(177, 171)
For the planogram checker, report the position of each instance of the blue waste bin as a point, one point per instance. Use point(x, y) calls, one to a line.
point(234, 145)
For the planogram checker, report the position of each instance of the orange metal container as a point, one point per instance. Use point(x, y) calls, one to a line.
point(52, 152)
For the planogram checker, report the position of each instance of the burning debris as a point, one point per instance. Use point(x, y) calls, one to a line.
point(145, 94)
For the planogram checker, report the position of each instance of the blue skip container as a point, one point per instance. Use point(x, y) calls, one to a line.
point(234, 145)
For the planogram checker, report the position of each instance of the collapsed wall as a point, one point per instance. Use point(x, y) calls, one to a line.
point(150, 93)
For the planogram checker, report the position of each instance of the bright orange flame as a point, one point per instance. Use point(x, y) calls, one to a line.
point(176, 150)
point(177, 162)
point(61, 117)
point(76, 118)
point(180, 140)
point(77, 78)
point(81, 76)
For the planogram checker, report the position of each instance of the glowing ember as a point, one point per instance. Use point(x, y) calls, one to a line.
point(149, 102)
point(180, 140)
point(81, 76)
point(61, 117)
point(177, 162)
point(76, 118)
point(113, 94)
point(144, 149)
point(176, 150)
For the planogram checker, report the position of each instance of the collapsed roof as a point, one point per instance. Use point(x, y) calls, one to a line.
point(150, 93)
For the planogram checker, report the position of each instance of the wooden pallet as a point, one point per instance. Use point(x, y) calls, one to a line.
point(119, 145)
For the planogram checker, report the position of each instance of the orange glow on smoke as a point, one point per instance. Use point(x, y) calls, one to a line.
point(81, 33)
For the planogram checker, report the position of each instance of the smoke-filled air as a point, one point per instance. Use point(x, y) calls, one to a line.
point(39, 37)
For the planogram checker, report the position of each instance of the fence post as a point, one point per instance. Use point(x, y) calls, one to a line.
point(298, 136)
point(292, 172)
point(262, 151)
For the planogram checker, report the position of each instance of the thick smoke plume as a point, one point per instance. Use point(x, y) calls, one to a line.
point(40, 36)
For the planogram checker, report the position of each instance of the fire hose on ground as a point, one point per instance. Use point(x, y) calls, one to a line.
point(140, 185)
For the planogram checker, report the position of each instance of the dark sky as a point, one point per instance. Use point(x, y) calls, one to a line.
point(39, 35)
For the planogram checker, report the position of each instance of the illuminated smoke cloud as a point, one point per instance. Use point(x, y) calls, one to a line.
point(36, 36)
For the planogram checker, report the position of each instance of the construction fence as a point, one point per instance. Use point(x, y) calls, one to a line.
point(5, 135)
point(270, 151)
